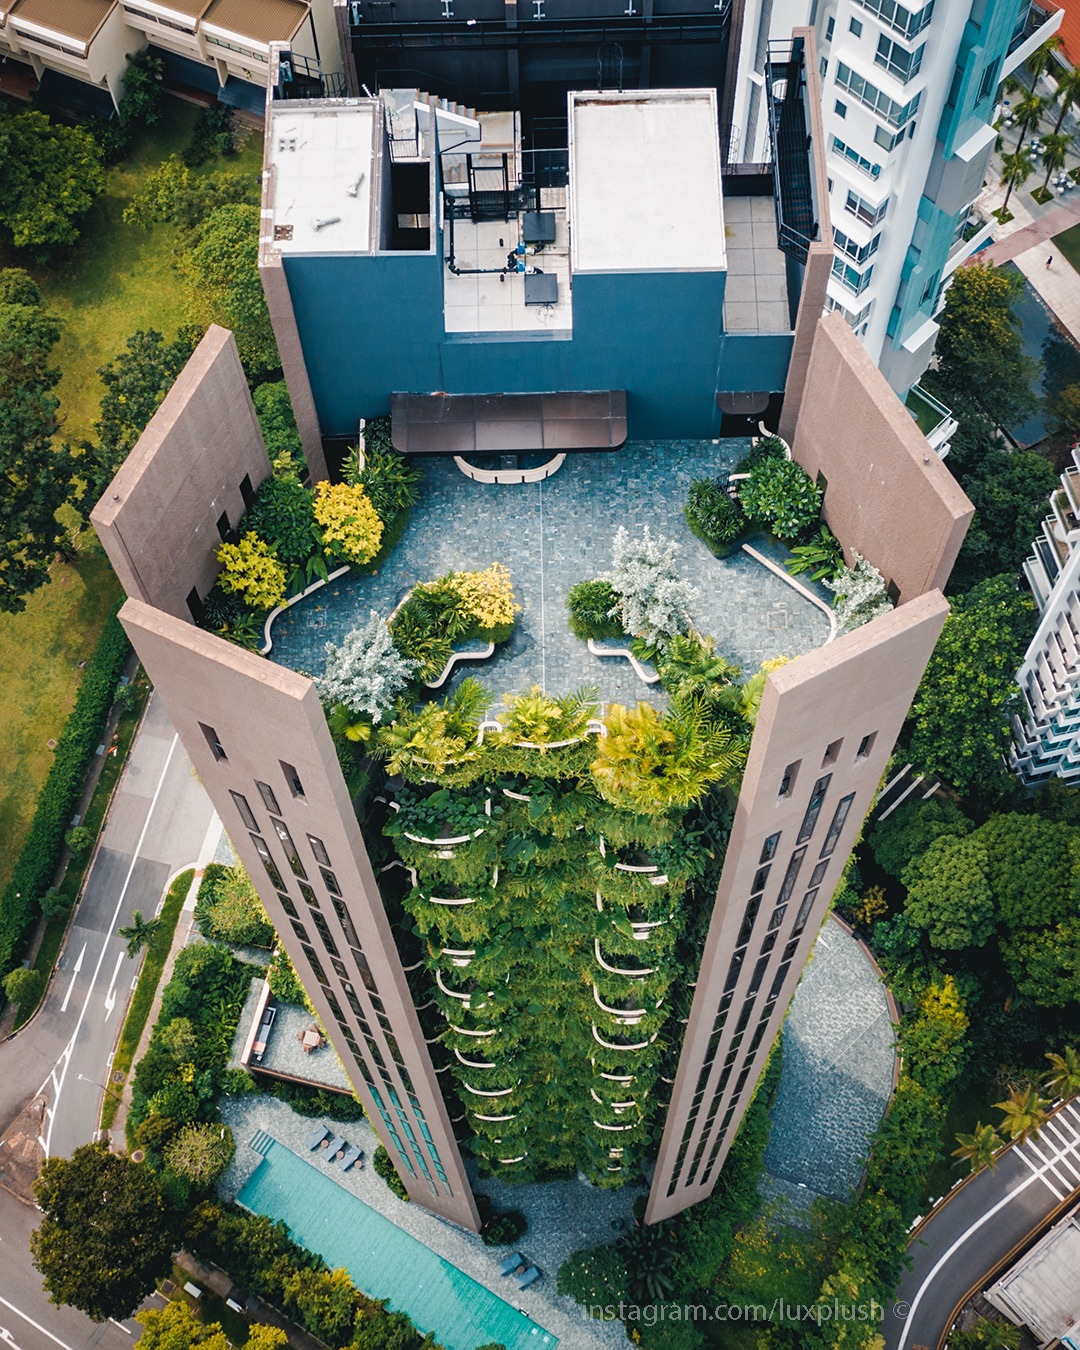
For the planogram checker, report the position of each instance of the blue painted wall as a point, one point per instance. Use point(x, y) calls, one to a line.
point(373, 326)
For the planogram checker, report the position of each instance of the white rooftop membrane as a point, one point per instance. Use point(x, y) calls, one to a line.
point(645, 182)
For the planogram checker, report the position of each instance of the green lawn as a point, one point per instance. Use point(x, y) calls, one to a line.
point(40, 651)
point(116, 279)
point(1069, 243)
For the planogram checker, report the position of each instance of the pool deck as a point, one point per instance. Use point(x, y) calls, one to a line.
point(563, 1217)
point(552, 535)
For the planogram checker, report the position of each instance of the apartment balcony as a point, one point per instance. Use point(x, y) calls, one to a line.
point(935, 421)
point(1042, 22)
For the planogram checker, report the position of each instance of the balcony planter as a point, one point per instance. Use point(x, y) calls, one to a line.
point(615, 970)
point(450, 841)
point(612, 1045)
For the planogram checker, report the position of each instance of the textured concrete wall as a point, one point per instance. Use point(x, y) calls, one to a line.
point(888, 496)
point(265, 718)
point(816, 715)
point(159, 518)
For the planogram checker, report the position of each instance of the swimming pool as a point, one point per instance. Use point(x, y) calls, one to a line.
point(383, 1260)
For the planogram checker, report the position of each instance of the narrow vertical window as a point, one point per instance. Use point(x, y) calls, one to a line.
point(216, 748)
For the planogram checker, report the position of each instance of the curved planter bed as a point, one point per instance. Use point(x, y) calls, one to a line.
point(645, 675)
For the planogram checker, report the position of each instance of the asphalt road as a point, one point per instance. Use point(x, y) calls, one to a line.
point(159, 822)
point(978, 1226)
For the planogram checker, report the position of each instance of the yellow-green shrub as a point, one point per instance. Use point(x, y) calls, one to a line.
point(487, 596)
point(251, 570)
point(351, 528)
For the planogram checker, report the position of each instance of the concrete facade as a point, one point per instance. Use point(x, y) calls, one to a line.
point(319, 890)
point(258, 738)
point(187, 483)
point(825, 731)
point(887, 495)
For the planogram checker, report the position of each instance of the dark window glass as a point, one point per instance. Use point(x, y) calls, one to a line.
point(241, 804)
point(748, 921)
point(335, 1008)
point(777, 917)
point(865, 746)
point(331, 881)
point(758, 975)
point(268, 862)
point(292, 778)
point(804, 912)
point(300, 931)
point(733, 971)
point(768, 850)
point(211, 736)
point(266, 792)
point(282, 832)
point(813, 810)
point(761, 876)
point(838, 821)
point(340, 968)
point(347, 926)
point(324, 932)
point(778, 982)
point(316, 966)
point(319, 850)
point(768, 944)
point(818, 873)
point(365, 971)
point(787, 780)
point(288, 906)
point(309, 895)
point(790, 876)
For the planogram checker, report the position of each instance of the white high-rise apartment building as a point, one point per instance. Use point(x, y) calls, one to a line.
point(909, 98)
point(1046, 730)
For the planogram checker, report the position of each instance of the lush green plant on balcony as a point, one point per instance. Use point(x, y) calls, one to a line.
point(351, 527)
point(860, 594)
point(455, 608)
point(228, 909)
point(251, 571)
point(714, 516)
point(822, 556)
point(782, 498)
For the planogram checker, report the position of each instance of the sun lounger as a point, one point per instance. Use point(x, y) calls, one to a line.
point(316, 1137)
point(530, 1275)
point(511, 1264)
point(353, 1155)
point(335, 1146)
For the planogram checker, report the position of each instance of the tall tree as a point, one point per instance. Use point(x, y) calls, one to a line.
point(1023, 1113)
point(1054, 148)
point(36, 475)
point(50, 175)
point(222, 275)
point(980, 357)
point(1010, 491)
point(979, 1148)
point(135, 382)
point(139, 933)
point(107, 1235)
point(1063, 1076)
point(1068, 91)
point(960, 715)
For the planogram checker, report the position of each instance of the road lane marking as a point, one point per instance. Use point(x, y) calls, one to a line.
point(1040, 1173)
point(951, 1251)
point(36, 1325)
point(110, 997)
point(74, 977)
point(112, 927)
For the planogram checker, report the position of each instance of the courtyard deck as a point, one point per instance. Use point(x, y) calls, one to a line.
point(551, 535)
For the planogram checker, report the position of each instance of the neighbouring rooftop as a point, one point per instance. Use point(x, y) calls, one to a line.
point(322, 157)
point(79, 19)
point(645, 182)
point(263, 21)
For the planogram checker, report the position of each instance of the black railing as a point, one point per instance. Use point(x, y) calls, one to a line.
point(302, 77)
point(494, 33)
point(789, 137)
point(545, 168)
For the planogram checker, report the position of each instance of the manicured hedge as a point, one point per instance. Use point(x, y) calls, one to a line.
point(82, 733)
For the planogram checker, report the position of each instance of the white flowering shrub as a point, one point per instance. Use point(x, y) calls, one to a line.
point(652, 601)
point(367, 672)
point(860, 594)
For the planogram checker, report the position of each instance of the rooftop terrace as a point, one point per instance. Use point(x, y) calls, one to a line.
point(551, 535)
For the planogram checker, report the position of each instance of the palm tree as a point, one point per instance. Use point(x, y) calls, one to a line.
point(1039, 59)
point(139, 933)
point(1015, 170)
point(1068, 91)
point(1028, 113)
point(1025, 1113)
point(1054, 148)
point(1062, 1079)
point(979, 1147)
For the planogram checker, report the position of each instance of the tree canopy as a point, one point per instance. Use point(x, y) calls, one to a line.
point(222, 275)
point(960, 715)
point(175, 1327)
point(35, 474)
point(50, 175)
point(981, 364)
point(135, 382)
point(107, 1235)
point(1010, 491)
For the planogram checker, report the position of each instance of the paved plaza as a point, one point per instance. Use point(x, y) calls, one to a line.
point(551, 535)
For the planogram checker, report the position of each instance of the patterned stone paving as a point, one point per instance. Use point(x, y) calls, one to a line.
point(836, 1078)
point(552, 535)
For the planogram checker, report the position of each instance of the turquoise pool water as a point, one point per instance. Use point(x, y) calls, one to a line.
point(383, 1260)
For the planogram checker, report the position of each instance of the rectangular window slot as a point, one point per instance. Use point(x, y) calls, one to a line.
point(788, 779)
point(292, 778)
point(865, 747)
point(223, 527)
point(832, 752)
point(247, 492)
point(216, 748)
point(266, 792)
point(768, 851)
point(241, 804)
point(196, 608)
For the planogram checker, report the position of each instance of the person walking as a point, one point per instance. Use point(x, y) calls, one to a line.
point(1049, 261)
